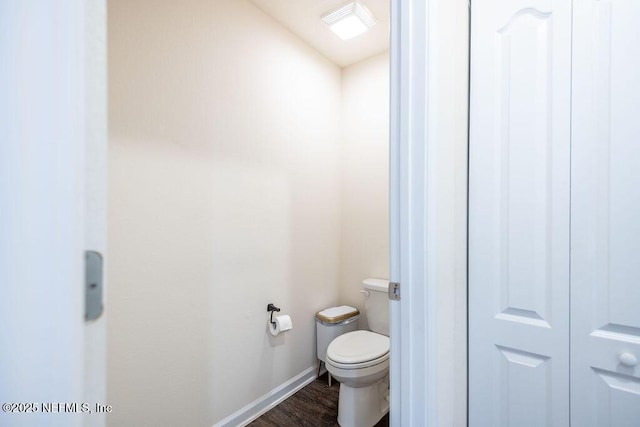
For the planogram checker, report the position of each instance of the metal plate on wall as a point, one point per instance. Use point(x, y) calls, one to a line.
point(93, 285)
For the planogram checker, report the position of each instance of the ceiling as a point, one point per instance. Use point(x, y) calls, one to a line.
point(302, 17)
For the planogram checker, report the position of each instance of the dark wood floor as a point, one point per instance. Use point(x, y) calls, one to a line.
point(315, 405)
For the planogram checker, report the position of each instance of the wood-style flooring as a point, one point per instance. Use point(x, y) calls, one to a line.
point(315, 405)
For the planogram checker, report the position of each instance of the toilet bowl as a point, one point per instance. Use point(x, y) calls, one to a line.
point(359, 360)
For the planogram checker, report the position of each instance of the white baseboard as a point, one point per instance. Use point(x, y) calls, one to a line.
point(253, 410)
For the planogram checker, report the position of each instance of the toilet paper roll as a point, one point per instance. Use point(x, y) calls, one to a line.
point(283, 323)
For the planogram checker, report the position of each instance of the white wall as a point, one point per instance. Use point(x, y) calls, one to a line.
point(449, 67)
point(365, 176)
point(428, 203)
point(224, 195)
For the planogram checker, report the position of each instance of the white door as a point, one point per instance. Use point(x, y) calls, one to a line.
point(605, 217)
point(519, 171)
point(52, 195)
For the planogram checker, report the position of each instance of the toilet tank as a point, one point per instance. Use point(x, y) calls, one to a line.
point(377, 305)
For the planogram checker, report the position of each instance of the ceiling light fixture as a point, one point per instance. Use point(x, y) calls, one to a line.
point(350, 20)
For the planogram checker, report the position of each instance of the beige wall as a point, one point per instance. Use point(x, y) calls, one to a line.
point(364, 245)
point(224, 195)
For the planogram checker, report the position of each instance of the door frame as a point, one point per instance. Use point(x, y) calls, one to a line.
point(428, 211)
point(427, 206)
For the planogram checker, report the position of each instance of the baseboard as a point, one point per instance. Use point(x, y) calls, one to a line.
point(253, 410)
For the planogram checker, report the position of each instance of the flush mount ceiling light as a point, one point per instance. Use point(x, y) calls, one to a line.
point(350, 20)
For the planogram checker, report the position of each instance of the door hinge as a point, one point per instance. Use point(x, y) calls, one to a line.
point(394, 291)
point(93, 305)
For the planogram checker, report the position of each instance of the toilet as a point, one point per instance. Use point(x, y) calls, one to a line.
point(359, 360)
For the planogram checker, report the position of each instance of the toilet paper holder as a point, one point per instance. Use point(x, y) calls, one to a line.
point(272, 308)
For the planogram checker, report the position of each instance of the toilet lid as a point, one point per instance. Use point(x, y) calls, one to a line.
point(358, 347)
point(335, 315)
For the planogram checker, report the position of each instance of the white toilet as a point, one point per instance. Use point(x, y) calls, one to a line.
point(360, 361)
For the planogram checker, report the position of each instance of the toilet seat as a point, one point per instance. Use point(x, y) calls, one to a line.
point(358, 349)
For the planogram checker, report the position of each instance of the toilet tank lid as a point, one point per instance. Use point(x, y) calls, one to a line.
point(337, 314)
point(380, 285)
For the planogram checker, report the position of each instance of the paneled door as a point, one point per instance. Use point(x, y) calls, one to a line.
point(554, 287)
point(605, 214)
point(519, 228)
